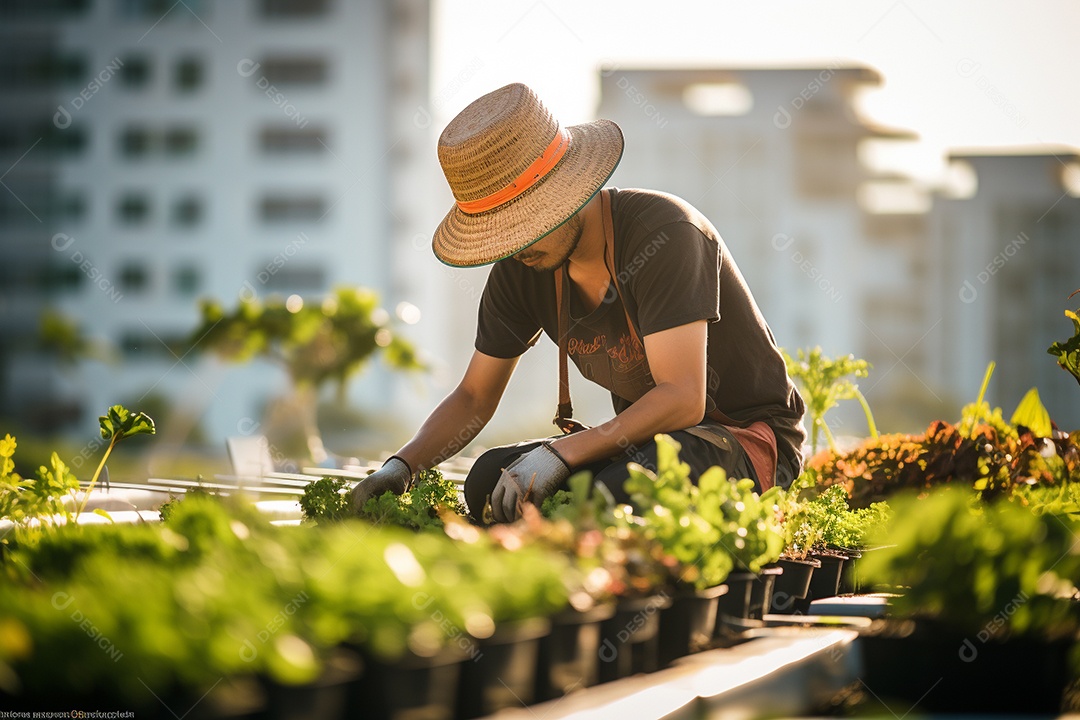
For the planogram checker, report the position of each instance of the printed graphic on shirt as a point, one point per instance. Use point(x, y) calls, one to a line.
point(619, 366)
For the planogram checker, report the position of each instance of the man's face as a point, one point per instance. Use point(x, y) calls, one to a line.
point(551, 252)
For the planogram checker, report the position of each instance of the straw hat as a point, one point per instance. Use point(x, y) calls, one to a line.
point(516, 174)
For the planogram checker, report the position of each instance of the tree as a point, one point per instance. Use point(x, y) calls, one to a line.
point(314, 342)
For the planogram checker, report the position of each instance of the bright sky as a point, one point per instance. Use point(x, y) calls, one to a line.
point(960, 73)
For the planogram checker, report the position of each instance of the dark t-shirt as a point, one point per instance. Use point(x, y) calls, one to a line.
point(673, 268)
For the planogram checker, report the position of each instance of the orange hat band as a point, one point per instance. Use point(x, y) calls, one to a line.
point(537, 170)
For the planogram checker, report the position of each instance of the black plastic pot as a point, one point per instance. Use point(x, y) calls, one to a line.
point(761, 592)
point(851, 580)
point(792, 585)
point(326, 697)
point(503, 673)
point(687, 625)
point(931, 667)
point(567, 657)
point(736, 603)
point(825, 582)
point(628, 640)
point(412, 687)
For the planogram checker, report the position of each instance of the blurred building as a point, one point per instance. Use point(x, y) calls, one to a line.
point(156, 152)
point(857, 261)
point(1007, 255)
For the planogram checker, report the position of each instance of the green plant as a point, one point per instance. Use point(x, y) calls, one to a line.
point(117, 424)
point(667, 501)
point(711, 527)
point(64, 339)
point(421, 505)
point(110, 611)
point(1068, 352)
point(983, 452)
point(217, 592)
point(979, 412)
point(825, 382)
point(993, 568)
point(324, 500)
point(750, 528)
point(610, 550)
point(40, 499)
point(314, 342)
point(821, 518)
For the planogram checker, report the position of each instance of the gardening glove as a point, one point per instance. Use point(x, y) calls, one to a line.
point(394, 476)
point(532, 477)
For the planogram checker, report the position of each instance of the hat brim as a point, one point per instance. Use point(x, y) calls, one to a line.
point(464, 240)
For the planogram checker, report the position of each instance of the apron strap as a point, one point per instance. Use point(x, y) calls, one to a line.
point(565, 411)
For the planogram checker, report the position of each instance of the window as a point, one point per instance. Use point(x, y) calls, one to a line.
point(157, 10)
point(27, 68)
point(60, 278)
point(295, 71)
point(290, 209)
point(188, 74)
point(45, 202)
point(294, 8)
point(292, 141)
point(292, 279)
point(64, 207)
point(134, 278)
point(136, 142)
point(135, 72)
point(43, 8)
point(187, 211)
point(133, 209)
point(61, 142)
point(826, 166)
point(142, 344)
point(186, 280)
point(181, 141)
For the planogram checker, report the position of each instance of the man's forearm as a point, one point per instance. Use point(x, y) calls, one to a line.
point(665, 408)
point(449, 428)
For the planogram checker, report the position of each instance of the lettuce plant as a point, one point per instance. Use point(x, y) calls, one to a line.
point(710, 528)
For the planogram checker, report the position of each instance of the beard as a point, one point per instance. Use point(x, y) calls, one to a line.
point(541, 261)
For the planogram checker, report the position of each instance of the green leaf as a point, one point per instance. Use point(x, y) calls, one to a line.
point(1068, 352)
point(1032, 414)
point(121, 422)
point(102, 513)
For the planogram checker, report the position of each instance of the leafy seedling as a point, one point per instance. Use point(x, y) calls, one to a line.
point(827, 381)
point(1068, 352)
point(116, 425)
point(323, 500)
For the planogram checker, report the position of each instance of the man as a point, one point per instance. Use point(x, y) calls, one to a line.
point(635, 286)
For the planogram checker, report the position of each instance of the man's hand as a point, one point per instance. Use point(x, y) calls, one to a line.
point(394, 476)
point(534, 475)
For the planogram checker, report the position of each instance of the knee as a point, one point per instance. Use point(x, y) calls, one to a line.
point(480, 483)
point(485, 473)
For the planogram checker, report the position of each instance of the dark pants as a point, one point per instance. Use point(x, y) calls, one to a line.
point(699, 454)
